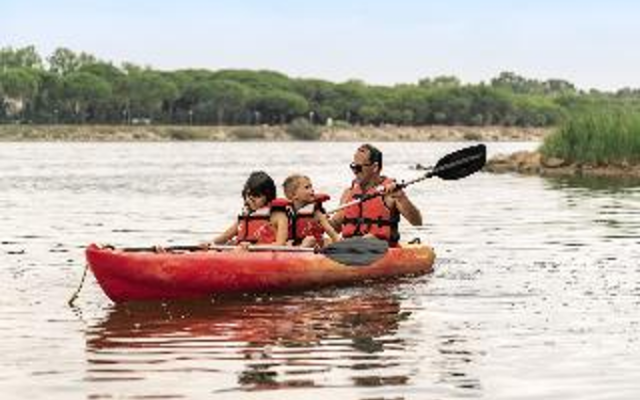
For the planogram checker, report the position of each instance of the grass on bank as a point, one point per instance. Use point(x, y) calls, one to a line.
point(299, 129)
point(12, 132)
point(601, 137)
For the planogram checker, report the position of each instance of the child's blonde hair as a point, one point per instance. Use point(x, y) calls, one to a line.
point(291, 184)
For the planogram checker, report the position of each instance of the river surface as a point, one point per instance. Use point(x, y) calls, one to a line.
point(535, 294)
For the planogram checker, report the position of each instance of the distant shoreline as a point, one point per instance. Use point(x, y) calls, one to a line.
point(535, 163)
point(168, 133)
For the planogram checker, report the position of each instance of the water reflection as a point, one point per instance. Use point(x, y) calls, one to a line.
point(336, 338)
point(612, 206)
point(595, 183)
point(283, 342)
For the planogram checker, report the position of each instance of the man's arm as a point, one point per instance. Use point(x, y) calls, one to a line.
point(402, 203)
point(407, 209)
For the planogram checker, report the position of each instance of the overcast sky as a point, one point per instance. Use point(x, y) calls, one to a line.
point(593, 44)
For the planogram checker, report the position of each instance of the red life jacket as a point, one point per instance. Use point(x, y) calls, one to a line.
point(255, 227)
point(302, 222)
point(373, 216)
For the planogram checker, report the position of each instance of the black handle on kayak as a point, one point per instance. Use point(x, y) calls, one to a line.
point(356, 251)
point(453, 166)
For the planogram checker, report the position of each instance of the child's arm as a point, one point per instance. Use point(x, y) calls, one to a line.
point(227, 235)
point(336, 220)
point(280, 221)
point(326, 225)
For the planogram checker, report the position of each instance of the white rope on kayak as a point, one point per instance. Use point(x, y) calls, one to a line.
point(77, 292)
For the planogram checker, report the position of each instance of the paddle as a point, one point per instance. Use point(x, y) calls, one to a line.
point(453, 166)
point(356, 251)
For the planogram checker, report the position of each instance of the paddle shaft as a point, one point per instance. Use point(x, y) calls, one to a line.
point(352, 252)
point(223, 247)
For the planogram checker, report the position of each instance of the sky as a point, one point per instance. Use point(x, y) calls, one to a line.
point(592, 44)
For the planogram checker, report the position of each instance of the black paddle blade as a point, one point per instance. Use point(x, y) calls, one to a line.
point(461, 163)
point(357, 251)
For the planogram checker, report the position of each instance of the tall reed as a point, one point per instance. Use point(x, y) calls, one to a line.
point(600, 137)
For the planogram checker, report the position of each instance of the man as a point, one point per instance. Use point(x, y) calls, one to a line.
point(380, 215)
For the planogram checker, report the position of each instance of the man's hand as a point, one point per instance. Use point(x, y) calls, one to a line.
point(395, 193)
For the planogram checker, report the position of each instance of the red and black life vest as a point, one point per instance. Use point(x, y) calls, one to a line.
point(302, 222)
point(370, 217)
point(255, 227)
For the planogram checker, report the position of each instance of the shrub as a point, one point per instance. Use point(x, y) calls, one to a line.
point(247, 133)
point(302, 129)
point(341, 124)
point(597, 137)
point(473, 136)
point(183, 134)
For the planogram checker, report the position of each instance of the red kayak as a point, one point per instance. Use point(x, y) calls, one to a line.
point(148, 275)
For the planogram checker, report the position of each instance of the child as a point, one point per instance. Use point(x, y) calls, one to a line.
point(307, 219)
point(263, 219)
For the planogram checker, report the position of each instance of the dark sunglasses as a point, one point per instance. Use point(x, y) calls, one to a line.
point(358, 167)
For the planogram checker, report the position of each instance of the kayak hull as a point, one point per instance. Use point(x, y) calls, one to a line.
point(130, 276)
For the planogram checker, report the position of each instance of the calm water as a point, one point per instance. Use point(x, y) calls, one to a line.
point(536, 292)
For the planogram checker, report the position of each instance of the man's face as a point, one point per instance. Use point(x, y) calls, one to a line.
point(362, 168)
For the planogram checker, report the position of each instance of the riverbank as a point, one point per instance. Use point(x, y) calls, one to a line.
point(601, 143)
point(268, 133)
point(535, 163)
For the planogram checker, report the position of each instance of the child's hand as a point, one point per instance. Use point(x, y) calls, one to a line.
point(242, 247)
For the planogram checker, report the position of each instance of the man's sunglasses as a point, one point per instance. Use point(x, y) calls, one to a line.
point(357, 168)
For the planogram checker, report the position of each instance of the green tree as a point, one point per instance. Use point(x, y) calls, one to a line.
point(148, 91)
point(488, 106)
point(227, 98)
point(48, 103)
point(217, 101)
point(26, 57)
point(261, 81)
point(20, 86)
point(85, 93)
point(279, 107)
point(113, 107)
point(445, 81)
point(320, 95)
point(536, 111)
point(518, 84)
point(64, 61)
point(350, 97)
point(410, 105)
point(558, 87)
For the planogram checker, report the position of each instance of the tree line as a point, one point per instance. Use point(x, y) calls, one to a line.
point(75, 88)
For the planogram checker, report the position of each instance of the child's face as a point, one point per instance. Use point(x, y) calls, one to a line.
point(304, 191)
point(255, 202)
